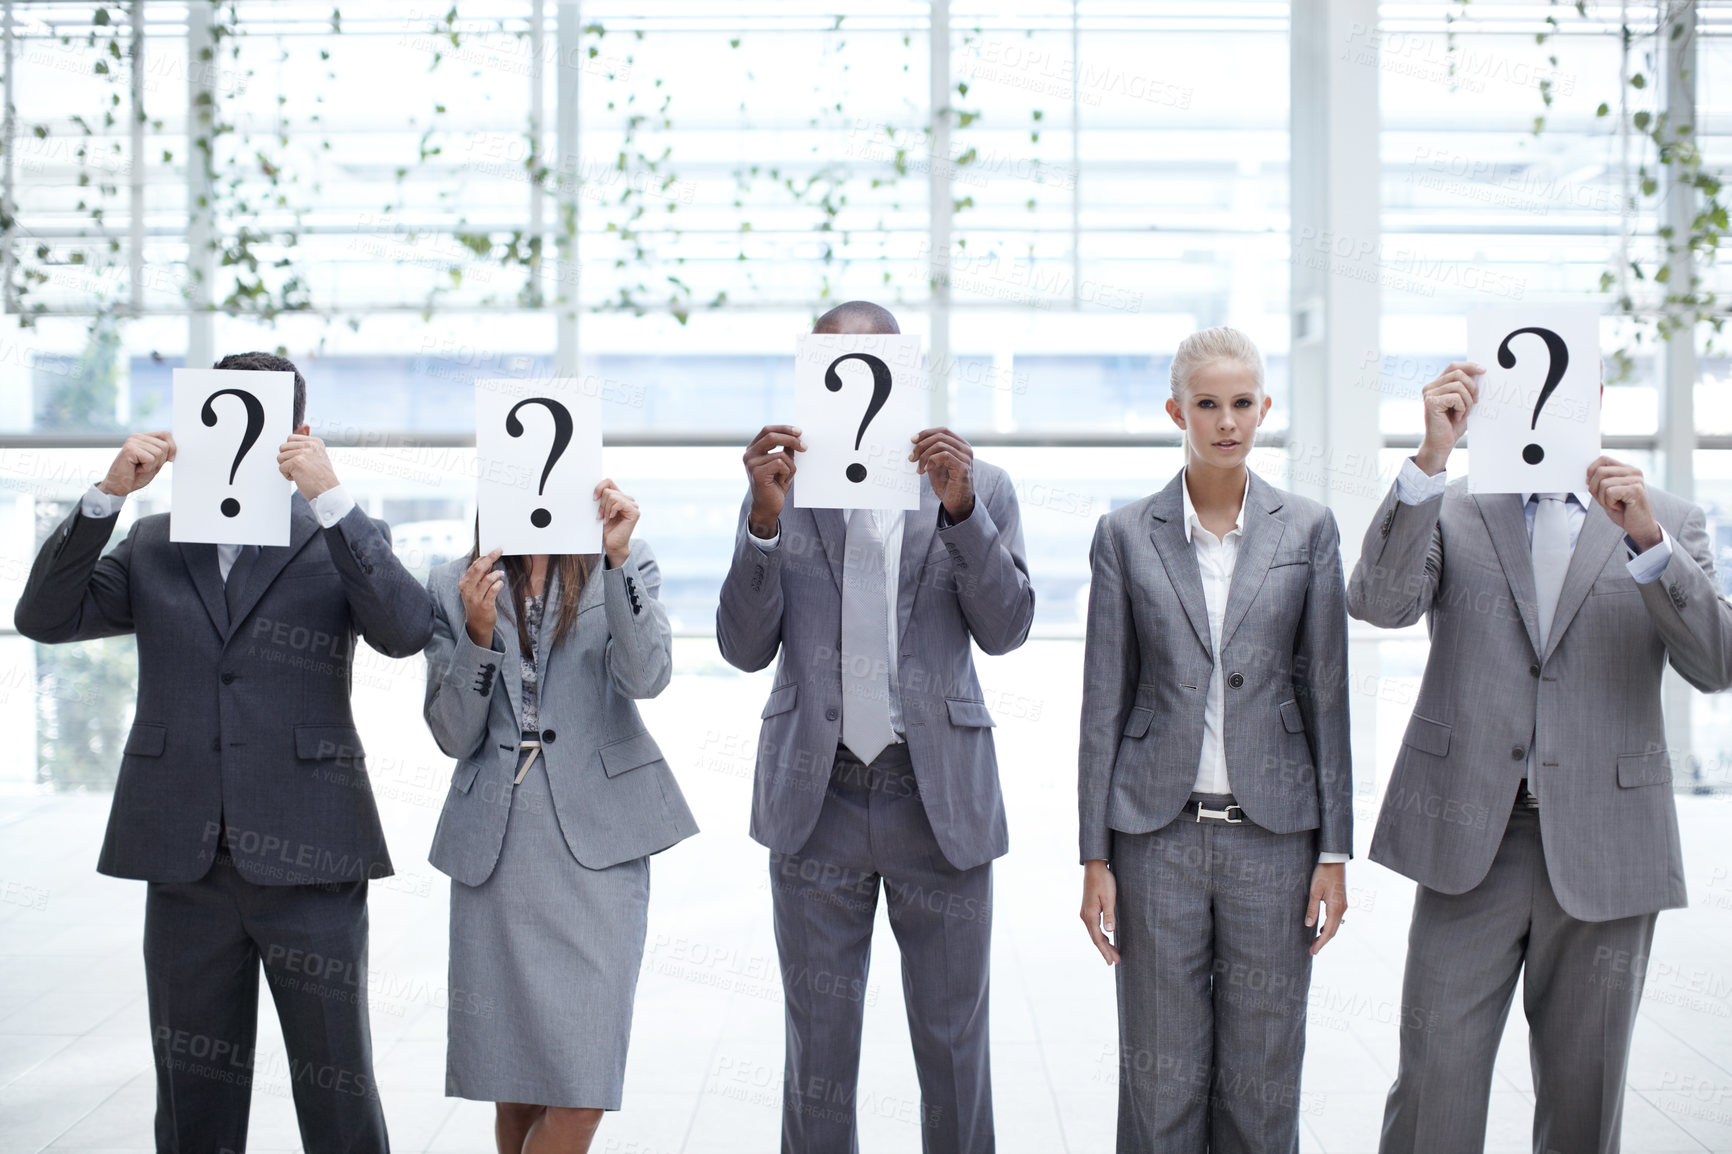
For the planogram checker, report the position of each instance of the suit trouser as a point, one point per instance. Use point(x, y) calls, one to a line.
point(1581, 986)
point(203, 943)
point(1213, 977)
point(873, 828)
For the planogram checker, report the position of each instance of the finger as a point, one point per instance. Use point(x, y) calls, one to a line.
point(775, 438)
point(943, 438)
point(1312, 903)
point(605, 484)
point(1091, 921)
point(1337, 910)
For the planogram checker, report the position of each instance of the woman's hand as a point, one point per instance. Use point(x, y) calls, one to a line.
point(618, 514)
point(479, 588)
point(1100, 900)
point(1328, 886)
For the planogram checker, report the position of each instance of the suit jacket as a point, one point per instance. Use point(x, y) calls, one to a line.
point(614, 795)
point(966, 581)
point(1589, 703)
point(1148, 660)
point(243, 723)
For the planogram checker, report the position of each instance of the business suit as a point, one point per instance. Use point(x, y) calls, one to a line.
point(1203, 907)
point(926, 817)
point(1579, 716)
point(550, 875)
point(243, 797)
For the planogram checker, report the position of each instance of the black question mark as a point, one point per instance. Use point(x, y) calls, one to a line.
point(255, 426)
point(880, 394)
point(1560, 361)
point(541, 518)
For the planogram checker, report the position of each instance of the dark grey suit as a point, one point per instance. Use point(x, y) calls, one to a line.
point(1496, 897)
point(1214, 966)
point(244, 753)
point(926, 818)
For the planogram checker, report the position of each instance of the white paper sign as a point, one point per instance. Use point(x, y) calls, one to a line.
point(228, 427)
point(1536, 428)
point(538, 461)
point(858, 400)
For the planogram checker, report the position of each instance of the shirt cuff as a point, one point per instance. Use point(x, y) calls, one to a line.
point(1413, 487)
point(332, 505)
point(767, 544)
point(97, 504)
point(1326, 858)
point(1647, 565)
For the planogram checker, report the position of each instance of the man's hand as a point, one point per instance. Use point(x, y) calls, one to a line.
point(1446, 401)
point(140, 459)
point(770, 468)
point(479, 587)
point(1100, 900)
point(303, 460)
point(1623, 494)
point(1329, 887)
point(949, 461)
point(618, 514)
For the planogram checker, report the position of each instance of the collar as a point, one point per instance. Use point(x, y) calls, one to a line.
point(1190, 511)
point(1585, 500)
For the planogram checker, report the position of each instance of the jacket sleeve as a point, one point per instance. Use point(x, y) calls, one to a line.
point(1395, 581)
point(991, 569)
point(462, 678)
point(74, 593)
point(640, 643)
point(392, 610)
point(1685, 605)
point(1112, 667)
point(749, 614)
point(1320, 687)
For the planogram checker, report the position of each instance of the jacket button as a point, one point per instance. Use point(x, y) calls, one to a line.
point(831, 715)
point(1517, 753)
point(548, 737)
point(1534, 670)
point(228, 678)
point(1236, 680)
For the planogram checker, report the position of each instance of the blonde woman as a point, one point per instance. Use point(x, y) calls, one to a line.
point(1215, 783)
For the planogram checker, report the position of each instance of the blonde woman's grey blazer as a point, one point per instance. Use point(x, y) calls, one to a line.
point(614, 795)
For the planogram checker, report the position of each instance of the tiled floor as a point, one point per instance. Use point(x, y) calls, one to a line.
point(705, 1069)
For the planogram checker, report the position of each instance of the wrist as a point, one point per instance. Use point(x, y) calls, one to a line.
point(107, 486)
point(1648, 538)
point(616, 558)
point(1431, 459)
point(962, 513)
point(485, 640)
point(763, 527)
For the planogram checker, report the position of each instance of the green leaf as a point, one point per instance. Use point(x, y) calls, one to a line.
point(734, 43)
point(1603, 109)
point(962, 88)
point(1638, 81)
point(100, 18)
point(1641, 120)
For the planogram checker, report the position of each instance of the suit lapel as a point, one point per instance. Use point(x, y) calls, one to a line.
point(1178, 557)
point(1594, 546)
point(201, 565)
point(918, 527)
point(833, 534)
point(1258, 541)
point(302, 526)
point(1505, 521)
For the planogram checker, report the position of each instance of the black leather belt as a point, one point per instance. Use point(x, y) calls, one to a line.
point(1229, 814)
point(1525, 798)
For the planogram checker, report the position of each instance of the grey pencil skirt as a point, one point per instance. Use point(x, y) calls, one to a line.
point(544, 963)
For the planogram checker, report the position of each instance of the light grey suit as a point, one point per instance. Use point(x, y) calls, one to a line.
point(925, 819)
point(1215, 964)
point(1575, 906)
point(550, 875)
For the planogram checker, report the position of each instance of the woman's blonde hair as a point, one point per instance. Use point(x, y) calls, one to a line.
point(1208, 346)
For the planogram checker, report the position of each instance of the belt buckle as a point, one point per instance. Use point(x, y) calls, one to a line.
point(1221, 815)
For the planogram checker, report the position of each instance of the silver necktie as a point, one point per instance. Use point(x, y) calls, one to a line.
point(1551, 555)
point(865, 641)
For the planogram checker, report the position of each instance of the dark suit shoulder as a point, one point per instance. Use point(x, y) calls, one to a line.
point(1134, 517)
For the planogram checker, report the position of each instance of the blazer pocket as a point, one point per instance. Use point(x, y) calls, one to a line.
point(146, 740)
point(327, 743)
point(969, 713)
point(1635, 769)
point(1292, 720)
point(1615, 583)
point(623, 756)
point(1297, 557)
point(464, 778)
point(1138, 720)
point(782, 699)
point(1427, 736)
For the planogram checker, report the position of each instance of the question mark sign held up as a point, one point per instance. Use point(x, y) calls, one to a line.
point(255, 426)
point(880, 394)
point(562, 425)
point(1560, 361)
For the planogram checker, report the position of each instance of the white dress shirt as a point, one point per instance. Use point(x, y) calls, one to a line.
point(889, 524)
point(1413, 487)
point(1216, 559)
point(329, 507)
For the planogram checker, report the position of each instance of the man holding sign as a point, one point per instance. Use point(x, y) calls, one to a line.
point(1532, 797)
point(876, 762)
point(243, 799)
